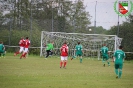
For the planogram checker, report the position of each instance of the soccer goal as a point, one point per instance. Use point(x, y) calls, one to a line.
point(91, 43)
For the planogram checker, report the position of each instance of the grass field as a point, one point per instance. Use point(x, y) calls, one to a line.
point(37, 72)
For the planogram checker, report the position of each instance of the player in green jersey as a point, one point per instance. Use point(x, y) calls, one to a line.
point(79, 51)
point(2, 49)
point(104, 52)
point(119, 56)
point(49, 48)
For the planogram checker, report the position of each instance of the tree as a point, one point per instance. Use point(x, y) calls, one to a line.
point(125, 32)
point(79, 17)
point(130, 18)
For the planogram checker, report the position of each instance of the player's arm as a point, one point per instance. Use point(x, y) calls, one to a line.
point(20, 42)
point(124, 57)
point(3, 47)
point(114, 57)
point(60, 49)
point(82, 49)
point(67, 49)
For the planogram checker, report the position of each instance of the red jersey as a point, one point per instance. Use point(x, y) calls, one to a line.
point(22, 43)
point(64, 50)
point(27, 43)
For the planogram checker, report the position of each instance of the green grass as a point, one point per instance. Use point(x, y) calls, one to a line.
point(36, 72)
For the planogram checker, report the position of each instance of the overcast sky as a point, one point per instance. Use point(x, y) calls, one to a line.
point(105, 14)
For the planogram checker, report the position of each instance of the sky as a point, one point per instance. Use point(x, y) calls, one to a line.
point(105, 14)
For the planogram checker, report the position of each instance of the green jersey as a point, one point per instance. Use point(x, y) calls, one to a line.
point(119, 56)
point(78, 49)
point(49, 46)
point(104, 50)
point(1, 46)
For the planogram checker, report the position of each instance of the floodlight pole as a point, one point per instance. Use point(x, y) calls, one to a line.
point(95, 18)
point(31, 20)
point(52, 17)
point(10, 31)
point(118, 26)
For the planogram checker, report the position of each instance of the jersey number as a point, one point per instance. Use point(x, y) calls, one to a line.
point(63, 49)
point(119, 56)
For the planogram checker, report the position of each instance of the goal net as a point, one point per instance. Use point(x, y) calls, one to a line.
point(91, 43)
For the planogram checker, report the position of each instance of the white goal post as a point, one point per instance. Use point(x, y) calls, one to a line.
point(91, 42)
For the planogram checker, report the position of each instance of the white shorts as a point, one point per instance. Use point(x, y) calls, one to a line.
point(63, 58)
point(26, 50)
point(21, 49)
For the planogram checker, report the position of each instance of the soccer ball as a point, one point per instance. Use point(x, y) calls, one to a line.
point(89, 29)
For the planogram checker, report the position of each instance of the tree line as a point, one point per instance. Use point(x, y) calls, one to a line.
point(30, 17)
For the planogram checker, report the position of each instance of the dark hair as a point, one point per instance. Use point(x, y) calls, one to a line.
point(120, 47)
point(78, 43)
point(65, 42)
point(1, 42)
point(27, 37)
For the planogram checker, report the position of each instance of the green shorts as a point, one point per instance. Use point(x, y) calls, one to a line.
point(119, 66)
point(105, 56)
point(2, 51)
point(78, 54)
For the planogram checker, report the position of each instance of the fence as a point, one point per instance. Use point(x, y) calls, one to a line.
point(88, 54)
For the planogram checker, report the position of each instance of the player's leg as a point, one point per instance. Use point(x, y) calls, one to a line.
point(65, 62)
point(3, 54)
point(24, 53)
point(18, 52)
point(120, 70)
point(61, 62)
point(0, 54)
point(74, 56)
point(116, 70)
point(80, 57)
point(103, 60)
point(51, 52)
point(47, 53)
point(108, 62)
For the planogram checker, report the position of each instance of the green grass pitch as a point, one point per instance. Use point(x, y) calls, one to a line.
point(37, 72)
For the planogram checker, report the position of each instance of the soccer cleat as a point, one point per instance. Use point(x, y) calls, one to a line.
point(71, 58)
point(60, 67)
point(64, 67)
point(104, 65)
point(117, 77)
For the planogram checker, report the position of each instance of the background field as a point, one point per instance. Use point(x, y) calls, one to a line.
point(37, 72)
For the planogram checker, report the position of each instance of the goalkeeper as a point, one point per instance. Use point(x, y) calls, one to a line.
point(49, 48)
point(79, 51)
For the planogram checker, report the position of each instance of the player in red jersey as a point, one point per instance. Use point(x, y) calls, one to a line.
point(27, 44)
point(64, 55)
point(21, 44)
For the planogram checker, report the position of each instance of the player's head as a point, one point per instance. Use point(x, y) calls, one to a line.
point(65, 42)
point(27, 37)
point(52, 42)
point(78, 43)
point(1, 42)
point(104, 44)
point(120, 47)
